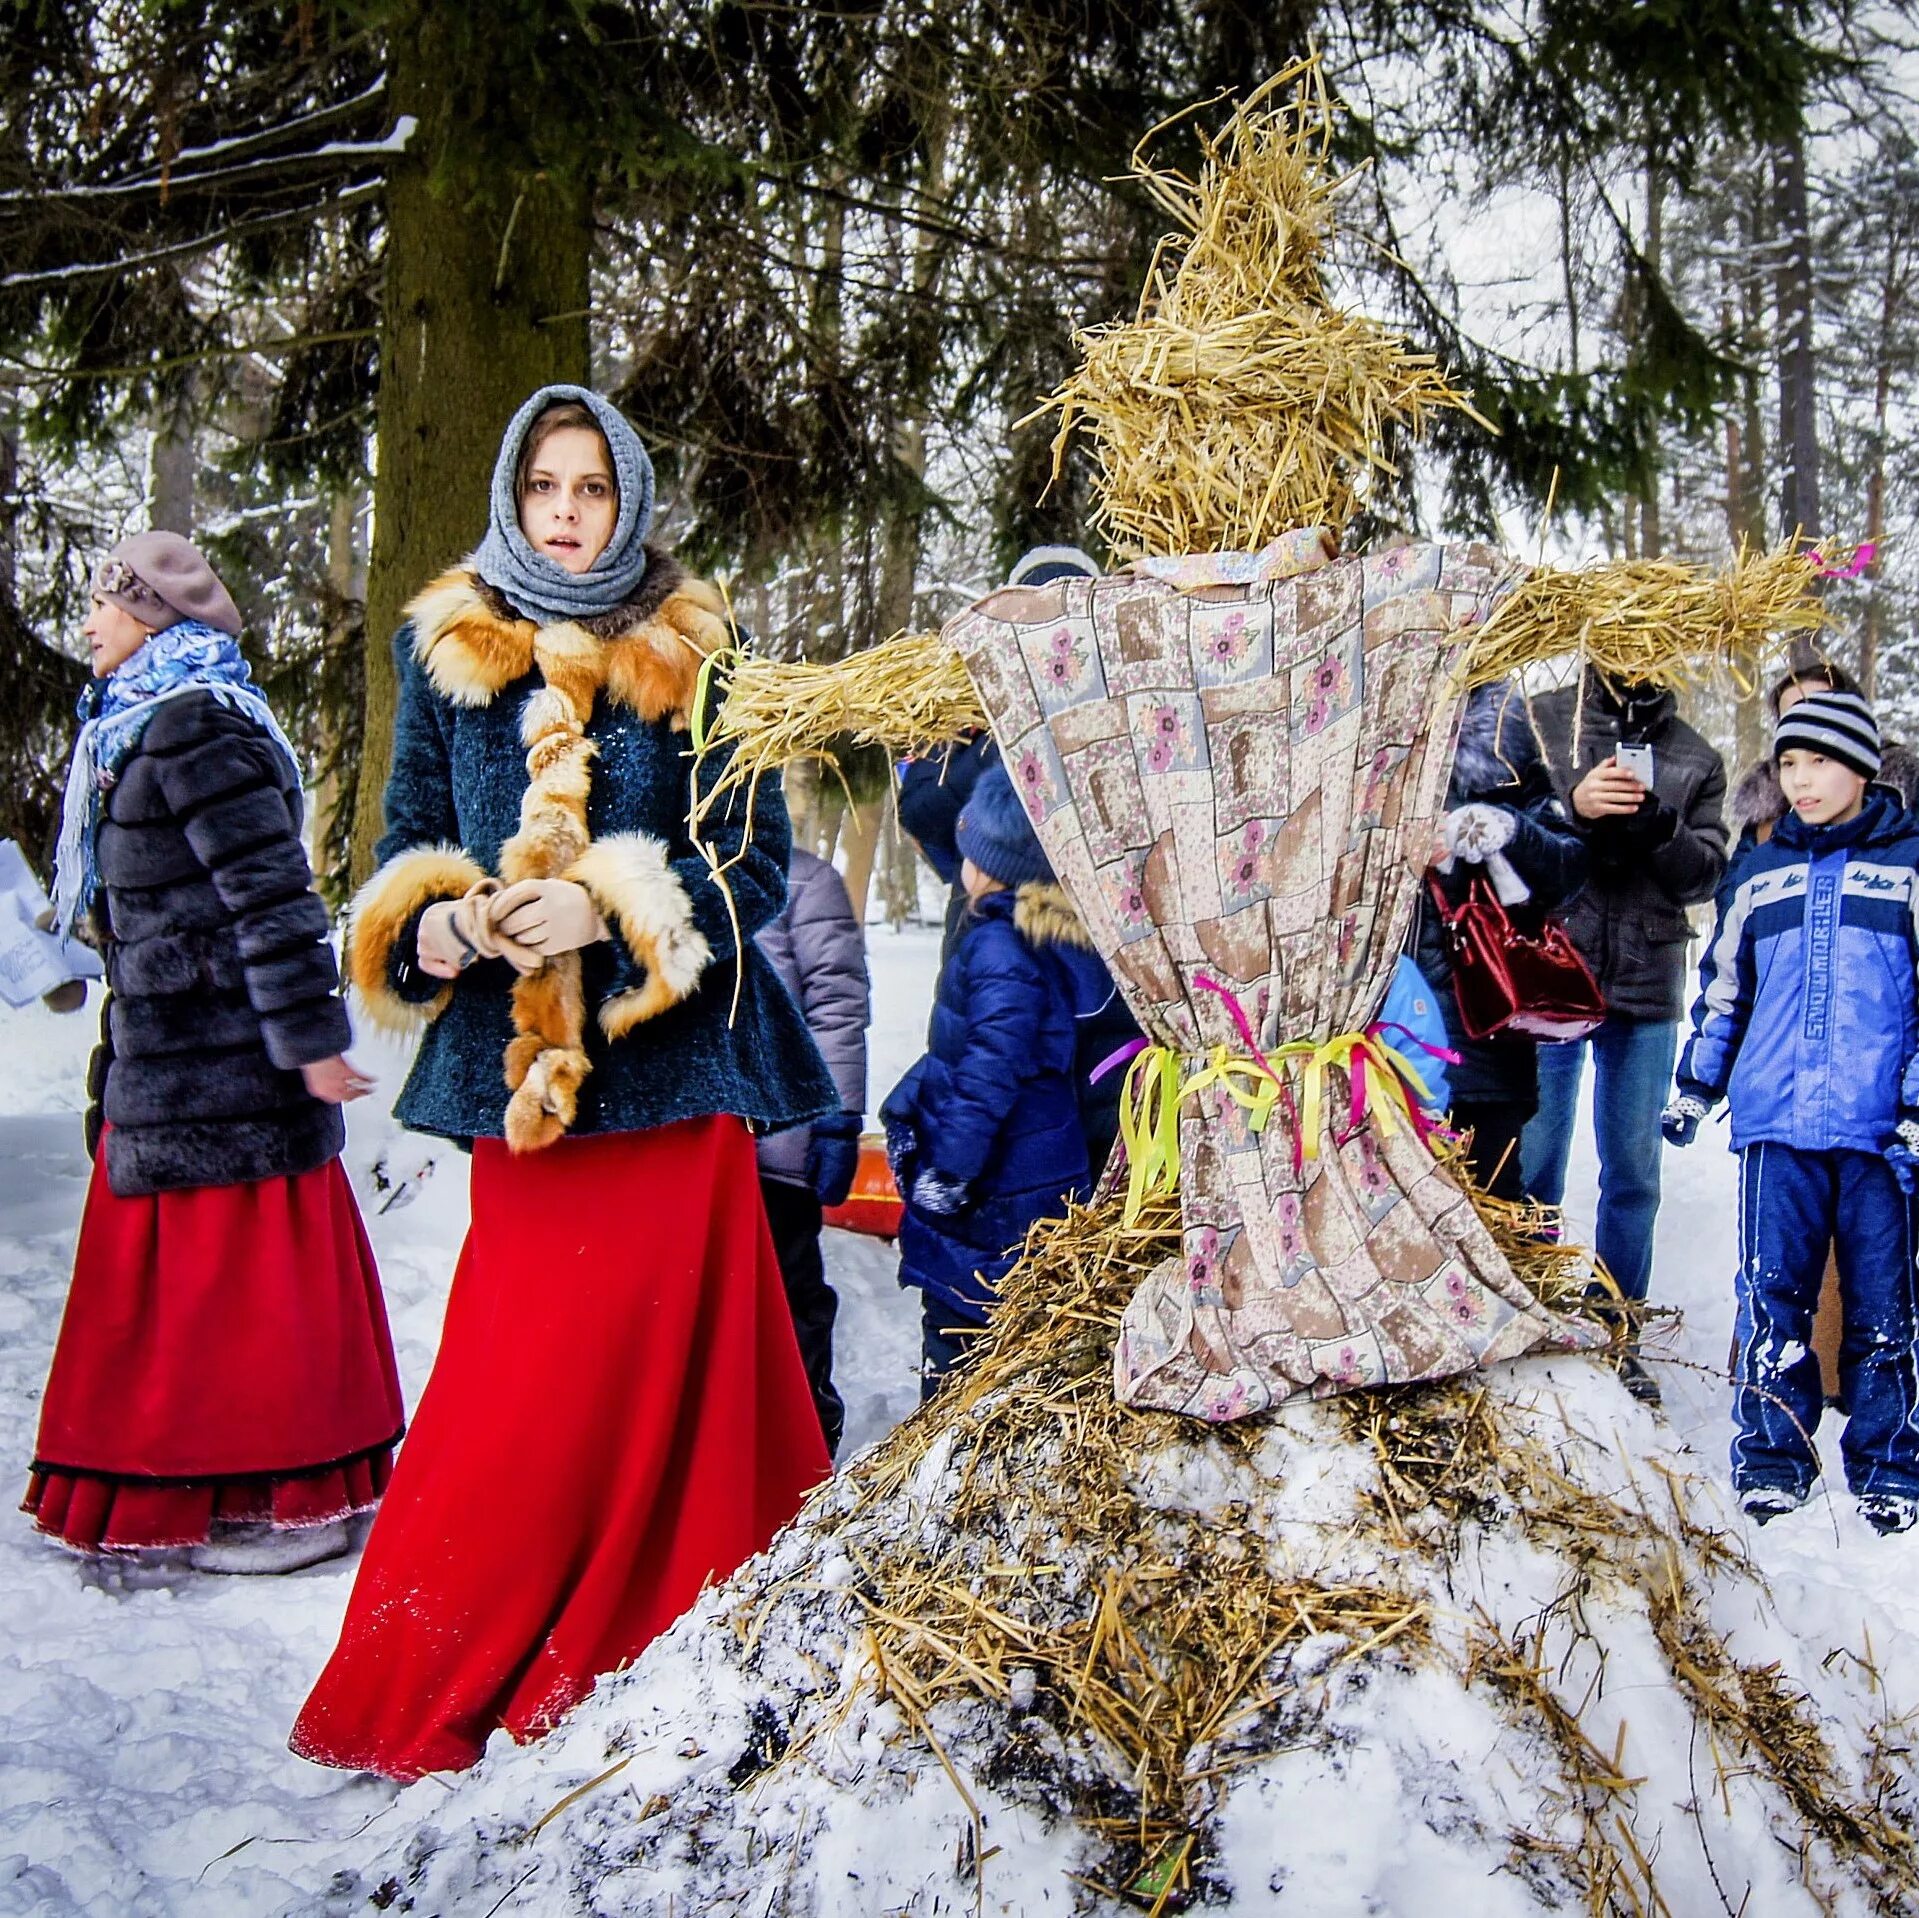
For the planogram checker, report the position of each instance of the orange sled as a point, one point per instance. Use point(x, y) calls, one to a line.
point(873, 1205)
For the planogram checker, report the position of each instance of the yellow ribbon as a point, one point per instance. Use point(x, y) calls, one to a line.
point(1155, 1092)
point(702, 691)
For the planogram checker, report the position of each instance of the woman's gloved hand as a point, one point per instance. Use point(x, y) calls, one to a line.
point(456, 932)
point(1480, 833)
point(545, 917)
point(833, 1156)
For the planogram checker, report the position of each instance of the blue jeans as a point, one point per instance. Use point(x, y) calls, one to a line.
point(1632, 1079)
point(1791, 1205)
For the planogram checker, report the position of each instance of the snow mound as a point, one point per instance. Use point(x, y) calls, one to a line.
point(1485, 1644)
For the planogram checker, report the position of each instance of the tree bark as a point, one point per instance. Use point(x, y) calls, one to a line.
point(1746, 452)
point(1872, 628)
point(1798, 391)
point(485, 298)
point(171, 460)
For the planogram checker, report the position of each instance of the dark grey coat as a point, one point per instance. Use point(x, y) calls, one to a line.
point(819, 951)
point(1629, 922)
point(221, 980)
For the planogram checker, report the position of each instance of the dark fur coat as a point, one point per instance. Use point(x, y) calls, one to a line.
point(220, 976)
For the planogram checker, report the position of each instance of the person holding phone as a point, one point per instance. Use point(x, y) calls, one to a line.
point(1647, 793)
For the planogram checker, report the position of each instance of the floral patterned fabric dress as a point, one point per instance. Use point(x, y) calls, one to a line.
point(1230, 780)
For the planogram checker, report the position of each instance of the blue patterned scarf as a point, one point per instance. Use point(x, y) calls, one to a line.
point(187, 658)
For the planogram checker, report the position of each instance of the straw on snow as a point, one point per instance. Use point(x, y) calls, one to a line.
point(1152, 1647)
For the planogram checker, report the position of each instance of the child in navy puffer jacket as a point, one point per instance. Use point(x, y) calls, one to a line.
point(984, 1131)
point(1808, 1022)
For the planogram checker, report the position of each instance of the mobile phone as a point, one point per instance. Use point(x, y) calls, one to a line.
point(1636, 760)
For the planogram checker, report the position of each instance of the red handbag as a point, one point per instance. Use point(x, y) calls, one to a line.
point(1531, 984)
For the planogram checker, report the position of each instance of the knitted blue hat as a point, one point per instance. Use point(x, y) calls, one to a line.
point(996, 835)
point(1839, 725)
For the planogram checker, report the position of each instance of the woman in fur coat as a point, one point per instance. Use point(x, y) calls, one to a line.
point(984, 1131)
point(618, 1412)
point(223, 1380)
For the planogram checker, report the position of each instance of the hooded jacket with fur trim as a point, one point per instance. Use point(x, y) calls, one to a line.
point(992, 1104)
point(562, 752)
point(1758, 804)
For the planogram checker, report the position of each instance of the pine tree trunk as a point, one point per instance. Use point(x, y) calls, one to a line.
point(1798, 392)
point(860, 839)
point(1746, 453)
point(1798, 396)
point(485, 298)
point(1872, 629)
point(171, 461)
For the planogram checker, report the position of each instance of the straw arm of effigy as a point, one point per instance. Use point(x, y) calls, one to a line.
point(1659, 621)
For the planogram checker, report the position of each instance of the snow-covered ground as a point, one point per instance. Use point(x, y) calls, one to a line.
point(143, 1715)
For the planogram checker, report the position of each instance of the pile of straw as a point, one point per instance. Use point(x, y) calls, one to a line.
point(1658, 621)
point(1011, 1550)
point(1240, 403)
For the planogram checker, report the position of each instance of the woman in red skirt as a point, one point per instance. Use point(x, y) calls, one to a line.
point(223, 1379)
point(618, 1412)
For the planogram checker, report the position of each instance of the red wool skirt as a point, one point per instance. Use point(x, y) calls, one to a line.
point(618, 1414)
point(224, 1356)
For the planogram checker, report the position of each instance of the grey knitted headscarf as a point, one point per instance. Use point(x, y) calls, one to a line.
point(540, 588)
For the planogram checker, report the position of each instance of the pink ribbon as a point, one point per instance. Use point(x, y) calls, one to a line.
point(1862, 557)
point(1423, 1127)
point(1130, 1050)
point(1288, 1104)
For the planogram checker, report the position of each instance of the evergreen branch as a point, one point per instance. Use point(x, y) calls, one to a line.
point(201, 243)
point(25, 373)
point(345, 154)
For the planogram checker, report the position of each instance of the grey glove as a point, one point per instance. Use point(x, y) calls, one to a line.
point(1680, 1120)
point(934, 1192)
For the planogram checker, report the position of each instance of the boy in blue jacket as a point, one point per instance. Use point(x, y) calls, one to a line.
point(984, 1131)
point(1808, 1022)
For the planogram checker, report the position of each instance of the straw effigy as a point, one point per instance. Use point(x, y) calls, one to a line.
point(1034, 1595)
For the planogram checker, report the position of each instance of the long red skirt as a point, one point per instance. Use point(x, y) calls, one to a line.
point(618, 1414)
point(224, 1356)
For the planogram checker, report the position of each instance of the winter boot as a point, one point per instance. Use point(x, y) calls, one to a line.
point(259, 1549)
point(1889, 1512)
point(1764, 1503)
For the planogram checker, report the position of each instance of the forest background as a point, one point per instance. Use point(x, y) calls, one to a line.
point(276, 275)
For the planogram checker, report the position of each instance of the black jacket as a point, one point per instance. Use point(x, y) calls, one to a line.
point(1630, 921)
point(1497, 763)
point(221, 980)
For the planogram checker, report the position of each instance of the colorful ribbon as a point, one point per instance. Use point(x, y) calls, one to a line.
point(1862, 557)
point(1383, 1084)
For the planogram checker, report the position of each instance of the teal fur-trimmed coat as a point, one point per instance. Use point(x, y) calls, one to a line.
point(563, 752)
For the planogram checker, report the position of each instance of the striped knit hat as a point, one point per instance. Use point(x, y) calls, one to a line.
point(1839, 725)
